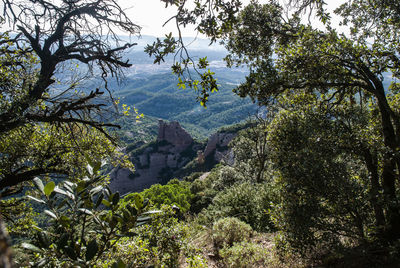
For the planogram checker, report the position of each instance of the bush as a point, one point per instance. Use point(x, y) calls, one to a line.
point(158, 243)
point(133, 251)
point(247, 202)
point(244, 254)
point(174, 193)
point(227, 231)
point(166, 238)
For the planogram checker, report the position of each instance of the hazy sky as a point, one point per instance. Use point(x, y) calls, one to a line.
point(152, 14)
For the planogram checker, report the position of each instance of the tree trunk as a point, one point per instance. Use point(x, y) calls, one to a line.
point(5, 251)
point(389, 169)
point(372, 167)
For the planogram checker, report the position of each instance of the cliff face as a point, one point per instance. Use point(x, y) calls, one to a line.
point(217, 146)
point(161, 160)
point(174, 134)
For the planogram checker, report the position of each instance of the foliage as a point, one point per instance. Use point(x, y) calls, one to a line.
point(18, 215)
point(163, 242)
point(290, 58)
point(44, 105)
point(78, 233)
point(166, 236)
point(246, 201)
point(227, 231)
point(203, 191)
point(243, 255)
point(33, 150)
point(325, 189)
point(175, 192)
point(134, 252)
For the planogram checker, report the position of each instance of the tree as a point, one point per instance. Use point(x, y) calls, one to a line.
point(287, 56)
point(41, 97)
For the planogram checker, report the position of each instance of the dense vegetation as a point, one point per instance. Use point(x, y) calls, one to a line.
point(315, 182)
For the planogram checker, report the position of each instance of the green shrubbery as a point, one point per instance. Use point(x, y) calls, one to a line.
point(227, 231)
point(244, 255)
point(175, 192)
point(163, 242)
point(78, 233)
point(246, 201)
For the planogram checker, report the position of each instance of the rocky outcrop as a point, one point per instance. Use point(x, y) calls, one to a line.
point(173, 149)
point(162, 160)
point(174, 134)
point(217, 146)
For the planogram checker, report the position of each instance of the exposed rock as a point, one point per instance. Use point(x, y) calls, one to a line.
point(174, 134)
point(172, 151)
point(157, 161)
point(218, 142)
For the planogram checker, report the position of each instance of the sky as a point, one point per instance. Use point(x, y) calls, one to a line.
point(152, 14)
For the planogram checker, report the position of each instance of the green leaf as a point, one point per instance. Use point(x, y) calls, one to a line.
point(152, 212)
point(91, 250)
point(86, 211)
point(61, 191)
point(31, 247)
point(89, 169)
point(143, 219)
point(37, 228)
point(51, 214)
point(39, 184)
point(36, 199)
point(49, 188)
point(99, 200)
point(106, 203)
point(132, 210)
point(96, 190)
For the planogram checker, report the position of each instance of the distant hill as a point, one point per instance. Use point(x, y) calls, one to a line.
point(153, 90)
point(157, 96)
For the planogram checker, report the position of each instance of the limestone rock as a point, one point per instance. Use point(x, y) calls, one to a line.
point(218, 142)
point(174, 134)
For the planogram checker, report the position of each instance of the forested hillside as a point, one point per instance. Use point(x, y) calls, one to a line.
point(157, 96)
point(311, 181)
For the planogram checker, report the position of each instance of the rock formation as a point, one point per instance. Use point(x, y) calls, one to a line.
point(174, 134)
point(157, 163)
point(162, 159)
point(217, 145)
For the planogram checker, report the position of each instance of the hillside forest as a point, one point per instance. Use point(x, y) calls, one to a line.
point(298, 101)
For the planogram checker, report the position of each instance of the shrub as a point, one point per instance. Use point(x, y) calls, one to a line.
point(244, 254)
point(174, 193)
point(227, 231)
point(78, 231)
point(166, 238)
point(247, 202)
point(133, 251)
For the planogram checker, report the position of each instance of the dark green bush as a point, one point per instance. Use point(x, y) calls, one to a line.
point(248, 202)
